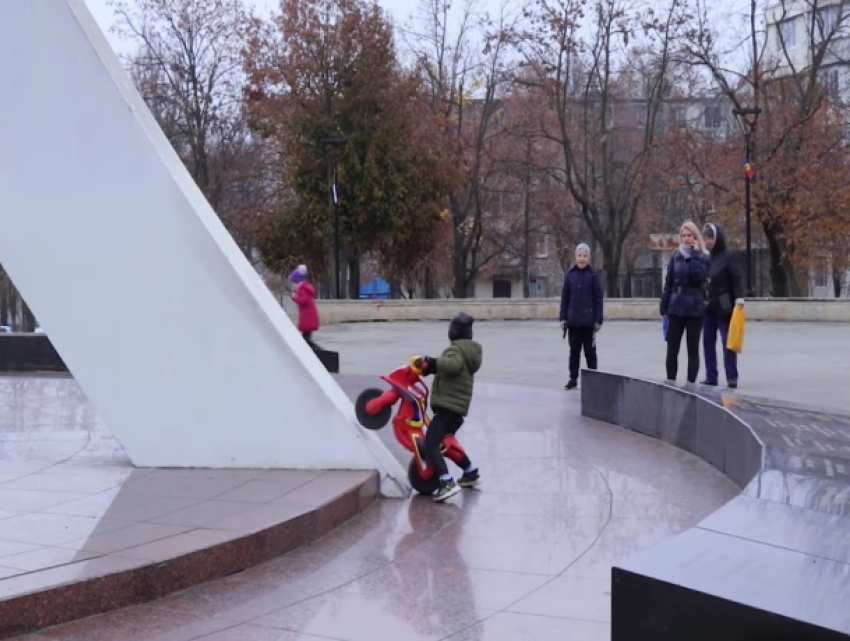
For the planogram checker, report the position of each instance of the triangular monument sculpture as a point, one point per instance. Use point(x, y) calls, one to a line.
point(164, 323)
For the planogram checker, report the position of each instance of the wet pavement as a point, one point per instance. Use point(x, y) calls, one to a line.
point(74, 512)
point(529, 553)
point(796, 362)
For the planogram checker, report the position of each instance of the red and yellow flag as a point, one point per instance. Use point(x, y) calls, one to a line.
point(748, 168)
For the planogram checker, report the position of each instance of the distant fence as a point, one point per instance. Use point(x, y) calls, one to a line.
point(634, 309)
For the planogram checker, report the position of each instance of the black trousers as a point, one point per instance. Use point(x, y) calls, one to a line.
point(676, 327)
point(443, 423)
point(581, 338)
point(308, 336)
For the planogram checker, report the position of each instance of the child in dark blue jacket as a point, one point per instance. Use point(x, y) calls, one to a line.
point(581, 312)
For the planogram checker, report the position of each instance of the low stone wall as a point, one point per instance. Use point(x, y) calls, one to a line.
point(634, 309)
point(22, 353)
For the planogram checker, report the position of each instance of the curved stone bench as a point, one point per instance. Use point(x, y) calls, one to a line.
point(772, 564)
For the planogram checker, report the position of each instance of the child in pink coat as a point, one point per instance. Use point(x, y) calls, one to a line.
point(305, 298)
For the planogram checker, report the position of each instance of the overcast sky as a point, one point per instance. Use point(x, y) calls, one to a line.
point(399, 10)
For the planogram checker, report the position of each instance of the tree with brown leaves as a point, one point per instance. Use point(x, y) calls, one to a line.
point(322, 71)
point(605, 126)
point(790, 83)
point(463, 56)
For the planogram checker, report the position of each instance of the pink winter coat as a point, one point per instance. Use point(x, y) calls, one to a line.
point(308, 312)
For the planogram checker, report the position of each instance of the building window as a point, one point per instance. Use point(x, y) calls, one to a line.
point(713, 118)
point(501, 288)
point(788, 32)
point(639, 114)
point(678, 115)
point(541, 246)
point(828, 21)
point(829, 80)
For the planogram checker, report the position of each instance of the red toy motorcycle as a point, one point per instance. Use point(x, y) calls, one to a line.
point(374, 408)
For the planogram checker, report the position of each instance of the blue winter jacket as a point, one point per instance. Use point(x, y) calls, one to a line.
point(581, 298)
point(685, 285)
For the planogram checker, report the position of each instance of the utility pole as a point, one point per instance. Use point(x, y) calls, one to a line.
point(748, 127)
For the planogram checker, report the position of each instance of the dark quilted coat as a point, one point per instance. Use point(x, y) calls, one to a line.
point(685, 285)
point(581, 298)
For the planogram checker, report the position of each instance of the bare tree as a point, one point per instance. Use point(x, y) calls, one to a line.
point(464, 57)
point(188, 68)
point(606, 128)
point(794, 50)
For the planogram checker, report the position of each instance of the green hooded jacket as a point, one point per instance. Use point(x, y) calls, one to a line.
point(456, 368)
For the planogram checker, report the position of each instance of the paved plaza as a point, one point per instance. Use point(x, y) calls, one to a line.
point(527, 555)
point(807, 363)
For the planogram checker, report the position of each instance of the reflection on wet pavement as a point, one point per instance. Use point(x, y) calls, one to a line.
point(76, 518)
point(528, 554)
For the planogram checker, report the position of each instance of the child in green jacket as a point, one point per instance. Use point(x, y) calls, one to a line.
point(451, 393)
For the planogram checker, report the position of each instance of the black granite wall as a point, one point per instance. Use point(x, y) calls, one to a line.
point(771, 565)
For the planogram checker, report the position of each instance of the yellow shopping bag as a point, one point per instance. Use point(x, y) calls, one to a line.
point(737, 326)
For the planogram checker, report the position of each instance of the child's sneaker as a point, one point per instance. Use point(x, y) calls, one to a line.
point(446, 491)
point(469, 479)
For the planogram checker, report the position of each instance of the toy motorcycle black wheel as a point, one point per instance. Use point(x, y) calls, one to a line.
point(367, 420)
point(423, 486)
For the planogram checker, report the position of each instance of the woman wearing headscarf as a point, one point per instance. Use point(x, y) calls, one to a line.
point(725, 290)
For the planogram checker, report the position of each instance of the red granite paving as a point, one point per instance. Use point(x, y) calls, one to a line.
point(527, 555)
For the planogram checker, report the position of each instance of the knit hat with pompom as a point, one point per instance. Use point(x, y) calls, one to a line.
point(299, 275)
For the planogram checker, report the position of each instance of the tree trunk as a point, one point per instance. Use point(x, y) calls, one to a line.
point(794, 287)
point(526, 242)
point(778, 275)
point(353, 279)
point(611, 268)
point(627, 283)
point(14, 304)
point(460, 288)
point(28, 318)
point(612, 285)
point(430, 290)
point(4, 303)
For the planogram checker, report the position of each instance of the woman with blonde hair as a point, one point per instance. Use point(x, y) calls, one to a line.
point(684, 298)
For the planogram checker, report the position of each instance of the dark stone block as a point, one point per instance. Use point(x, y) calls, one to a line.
point(744, 453)
point(602, 396)
point(775, 562)
point(710, 444)
point(642, 408)
point(329, 359)
point(643, 609)
point(704, 586)
point(678, 422)
point(29, 353)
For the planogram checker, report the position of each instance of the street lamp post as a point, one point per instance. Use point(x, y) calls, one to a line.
point(748, 126)
point(333, 144)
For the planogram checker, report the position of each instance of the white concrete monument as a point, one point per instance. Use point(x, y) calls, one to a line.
point(169, 330)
